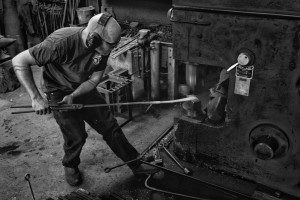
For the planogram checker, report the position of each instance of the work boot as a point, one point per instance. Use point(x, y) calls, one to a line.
point(73, 176)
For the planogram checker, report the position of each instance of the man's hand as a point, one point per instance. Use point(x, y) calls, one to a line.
point(67, 100)
point(40, 106)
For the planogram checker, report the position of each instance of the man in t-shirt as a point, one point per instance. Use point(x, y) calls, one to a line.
point(73, 60)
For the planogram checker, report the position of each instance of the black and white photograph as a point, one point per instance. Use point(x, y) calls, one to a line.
point(149, 100)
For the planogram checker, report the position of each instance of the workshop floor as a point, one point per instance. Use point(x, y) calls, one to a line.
point(32, 144)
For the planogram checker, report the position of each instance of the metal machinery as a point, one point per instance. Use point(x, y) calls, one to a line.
point(259, 136)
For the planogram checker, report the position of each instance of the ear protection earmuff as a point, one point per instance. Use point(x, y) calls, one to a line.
point(93, 39)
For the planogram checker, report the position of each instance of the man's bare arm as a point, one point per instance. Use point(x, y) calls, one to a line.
point(84, 88)
point(22, 66)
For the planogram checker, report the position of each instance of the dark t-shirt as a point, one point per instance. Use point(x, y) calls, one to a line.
point(66, 61)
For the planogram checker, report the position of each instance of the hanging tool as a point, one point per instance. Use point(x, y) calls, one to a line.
point(128, 46)
point(185, 170)
point(27, 178)
point(139, 39)
point(64, 14)
point(65, 107)
point(126, 43)
point(41, 22)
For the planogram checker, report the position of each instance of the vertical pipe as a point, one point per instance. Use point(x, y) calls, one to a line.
point(64, 14)
point(129, 60)
point(154, 57)
point(147, 72)
point(142, 62)
point(130, 63)
point(191, 76)
point(172, 75)
point(1, 18)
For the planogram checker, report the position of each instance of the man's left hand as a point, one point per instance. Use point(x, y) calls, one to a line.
point(67, 100)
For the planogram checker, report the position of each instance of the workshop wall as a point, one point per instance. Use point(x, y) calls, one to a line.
point(141, 10)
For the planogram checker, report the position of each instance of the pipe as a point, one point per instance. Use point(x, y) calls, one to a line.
point(155, 72)
point(230, 193)
point(172, 75)
point(191, 76)
point(282, 15)
point(171, 193)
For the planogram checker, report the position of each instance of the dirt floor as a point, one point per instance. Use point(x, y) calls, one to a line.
point(33, 144)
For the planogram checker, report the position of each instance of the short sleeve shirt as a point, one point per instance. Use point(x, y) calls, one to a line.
point(65, 60)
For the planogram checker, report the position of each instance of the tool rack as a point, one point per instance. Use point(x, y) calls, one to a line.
point(117, 89)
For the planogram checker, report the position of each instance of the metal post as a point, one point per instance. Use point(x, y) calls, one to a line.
point(191, 76)
point(172, 75)
point(155, 72)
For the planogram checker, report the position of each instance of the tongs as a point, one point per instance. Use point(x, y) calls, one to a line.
point(65, 107)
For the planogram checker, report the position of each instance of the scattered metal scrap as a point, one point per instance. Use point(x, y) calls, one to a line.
point(27, 178)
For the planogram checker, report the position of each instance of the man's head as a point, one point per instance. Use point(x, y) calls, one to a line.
point(104, 33)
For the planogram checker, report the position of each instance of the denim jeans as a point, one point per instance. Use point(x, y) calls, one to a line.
point(101, 119)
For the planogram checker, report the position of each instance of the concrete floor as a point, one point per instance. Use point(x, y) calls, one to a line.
point(32, 144)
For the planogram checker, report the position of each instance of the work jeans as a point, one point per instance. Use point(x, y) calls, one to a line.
point(72, 126)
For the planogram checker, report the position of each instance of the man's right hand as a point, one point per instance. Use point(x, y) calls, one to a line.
point(40, 106)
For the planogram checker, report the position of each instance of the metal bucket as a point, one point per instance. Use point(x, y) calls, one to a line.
point(84, 14)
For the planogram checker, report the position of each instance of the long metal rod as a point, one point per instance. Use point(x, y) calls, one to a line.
point(125, 48)
point(108, 169)
point(27, 178)
point(79, 106)
point(190, 98)
point(172, 157)
point(157, 140)
point(168, 192)
point(185, 170)
point(283, 14)
point(216, 187)
point(126, 43)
